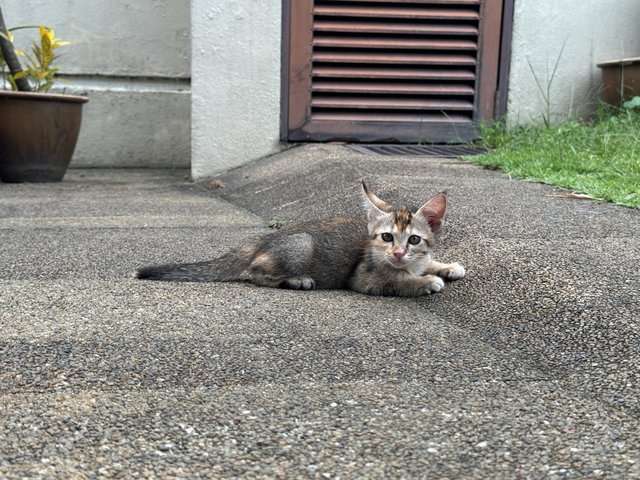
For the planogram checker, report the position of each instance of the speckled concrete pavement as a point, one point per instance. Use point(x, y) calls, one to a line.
point(527, 368)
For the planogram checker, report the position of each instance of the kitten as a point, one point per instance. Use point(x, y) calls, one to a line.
point(388, 253)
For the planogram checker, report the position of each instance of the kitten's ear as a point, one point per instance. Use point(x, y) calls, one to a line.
point(434, 211)
point(375, 207)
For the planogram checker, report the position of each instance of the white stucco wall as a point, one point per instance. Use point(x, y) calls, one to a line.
point(133, 59)
point(236, 83)
point(592, 31)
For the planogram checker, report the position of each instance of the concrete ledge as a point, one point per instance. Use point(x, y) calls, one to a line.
point(144, 128)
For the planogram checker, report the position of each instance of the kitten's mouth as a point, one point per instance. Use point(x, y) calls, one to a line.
point(396, 262)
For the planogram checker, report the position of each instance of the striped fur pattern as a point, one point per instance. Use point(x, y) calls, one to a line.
point(386, 253)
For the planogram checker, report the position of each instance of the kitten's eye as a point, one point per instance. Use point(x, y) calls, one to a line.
point(414, 239)
point(387, 237)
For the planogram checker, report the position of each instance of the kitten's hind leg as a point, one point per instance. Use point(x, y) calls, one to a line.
point(282, 262)
point(293, 283)
point(448, 271)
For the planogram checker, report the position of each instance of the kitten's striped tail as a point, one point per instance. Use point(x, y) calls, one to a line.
point(228, 268)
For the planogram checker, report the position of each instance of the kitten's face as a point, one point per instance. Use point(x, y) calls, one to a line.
point(401, 238)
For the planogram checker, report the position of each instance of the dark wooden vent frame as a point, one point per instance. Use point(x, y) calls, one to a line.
point(392, 70)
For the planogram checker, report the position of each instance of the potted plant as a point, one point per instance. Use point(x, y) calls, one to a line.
point(38, 130)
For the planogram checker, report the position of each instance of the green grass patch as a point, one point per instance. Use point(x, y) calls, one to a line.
point(600, 159)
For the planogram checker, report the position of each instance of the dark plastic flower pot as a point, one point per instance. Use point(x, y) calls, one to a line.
point(38, 134)
point(620, 79)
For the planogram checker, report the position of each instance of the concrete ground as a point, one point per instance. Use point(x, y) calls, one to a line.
point(527, 368)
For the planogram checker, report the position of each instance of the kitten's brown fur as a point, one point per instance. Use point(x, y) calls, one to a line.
point(388, 253)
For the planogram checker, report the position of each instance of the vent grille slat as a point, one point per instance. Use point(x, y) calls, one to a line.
point(378, 73)
point(397, 43)
point(388, 117)
point(394, 60)
point(393, 28)
point(392, 88)
point(397, 12)
point(401, 2)
point(391, 103)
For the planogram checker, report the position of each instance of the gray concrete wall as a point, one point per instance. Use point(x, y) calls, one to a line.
point(133, 59)
point(236, 83)
point(576, 34)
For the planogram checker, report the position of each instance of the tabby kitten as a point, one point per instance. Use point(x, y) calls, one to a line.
point(388, 253)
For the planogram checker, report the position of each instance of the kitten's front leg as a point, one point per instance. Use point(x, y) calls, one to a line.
point(416, 286)
point(448, 271)
point(428, 284)
point(401, 284)
point(298, 283)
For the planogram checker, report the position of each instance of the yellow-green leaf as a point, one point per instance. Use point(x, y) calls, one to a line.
point(46, 38)
point(7, 35)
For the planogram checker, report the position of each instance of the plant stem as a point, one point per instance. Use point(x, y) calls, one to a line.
point(9, 54)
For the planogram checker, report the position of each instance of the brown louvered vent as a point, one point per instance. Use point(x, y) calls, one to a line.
point(412, 61)
point(384, 71)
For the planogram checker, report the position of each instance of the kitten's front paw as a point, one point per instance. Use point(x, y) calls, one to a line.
point(299, 283)
point(452, 271)
point(432, 284)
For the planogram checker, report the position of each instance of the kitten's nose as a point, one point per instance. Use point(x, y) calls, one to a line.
point(399, 253)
